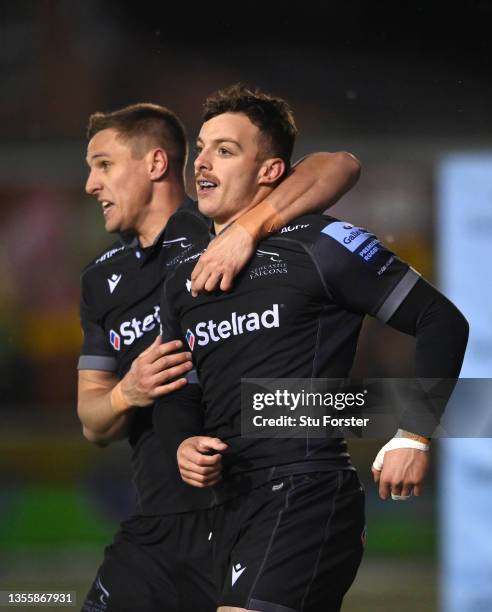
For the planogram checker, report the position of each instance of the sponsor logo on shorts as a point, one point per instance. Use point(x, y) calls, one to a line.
point(236, 325)
point(237, 570)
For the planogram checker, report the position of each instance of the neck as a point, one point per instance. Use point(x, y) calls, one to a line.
point(165, 201)
point(222, 223)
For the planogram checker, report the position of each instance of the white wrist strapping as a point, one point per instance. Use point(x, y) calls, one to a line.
point(397, 443)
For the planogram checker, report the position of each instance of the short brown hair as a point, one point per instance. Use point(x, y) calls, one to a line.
point(148, 125)
point(273, 117)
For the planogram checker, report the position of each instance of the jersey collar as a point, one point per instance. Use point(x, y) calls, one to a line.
point(130, 241)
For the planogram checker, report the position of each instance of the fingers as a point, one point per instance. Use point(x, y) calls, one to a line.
point(196, 450)
point(170, 387)
point(167, 348)
point(169, 361)
point(208, 280)
point(197, 468)
point(190, 457)
point(200, 481)
point(225, 256)
point(157, 349)
point(202, 470)
point(406, 490)
point(384, 489)
point(402, 474)
point(198, 269)
point(198, 280)
point(389, 486)
point(226, 282)
point(168, 375)
point(205, 443)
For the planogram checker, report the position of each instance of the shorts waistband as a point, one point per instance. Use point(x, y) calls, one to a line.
point(241, 483)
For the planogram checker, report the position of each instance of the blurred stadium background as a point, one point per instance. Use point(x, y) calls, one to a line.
point(401, 91)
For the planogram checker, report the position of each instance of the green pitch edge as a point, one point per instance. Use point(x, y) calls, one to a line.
point(44, 517)
point(402, 538)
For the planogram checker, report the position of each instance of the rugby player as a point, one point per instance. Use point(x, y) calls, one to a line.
point(159, 559)
point(289, 528)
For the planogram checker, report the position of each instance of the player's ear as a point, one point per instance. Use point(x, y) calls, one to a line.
point(271, 171)
point(158, 164)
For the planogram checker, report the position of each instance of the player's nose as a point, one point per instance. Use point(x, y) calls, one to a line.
point(202, 162)
point(92, 185)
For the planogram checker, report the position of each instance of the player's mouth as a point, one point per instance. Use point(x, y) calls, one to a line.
point(106, 206)
point(205, 186)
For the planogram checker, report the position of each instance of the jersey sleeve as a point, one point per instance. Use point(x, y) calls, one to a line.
point(170, 328)
point(96, 353)
point(359, 272)
point(364, 276)
point(178, 415)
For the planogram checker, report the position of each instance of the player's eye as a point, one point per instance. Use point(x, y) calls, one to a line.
point(223, 151)
point(198, 150)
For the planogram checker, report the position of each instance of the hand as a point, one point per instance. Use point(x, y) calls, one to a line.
point(225, 256)
point(404, 470)
point(197, 466)
point(150, 373)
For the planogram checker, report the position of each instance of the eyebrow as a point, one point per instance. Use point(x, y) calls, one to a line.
point(95, 156)
point(221, 140)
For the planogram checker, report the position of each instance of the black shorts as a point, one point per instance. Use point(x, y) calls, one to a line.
point(291, 545)
point(157, 564)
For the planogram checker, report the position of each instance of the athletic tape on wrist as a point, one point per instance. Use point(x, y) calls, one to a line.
point(397, 443)
point(261, 221)
point(117, 400)
point(403, 433)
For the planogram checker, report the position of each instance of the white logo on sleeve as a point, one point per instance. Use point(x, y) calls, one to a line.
point(188, 285)
point(237, 570)
point(113, 281)
point(346, 234)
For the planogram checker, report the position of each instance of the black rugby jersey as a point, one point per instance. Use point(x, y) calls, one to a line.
point(295, 312)
point(120, 315)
